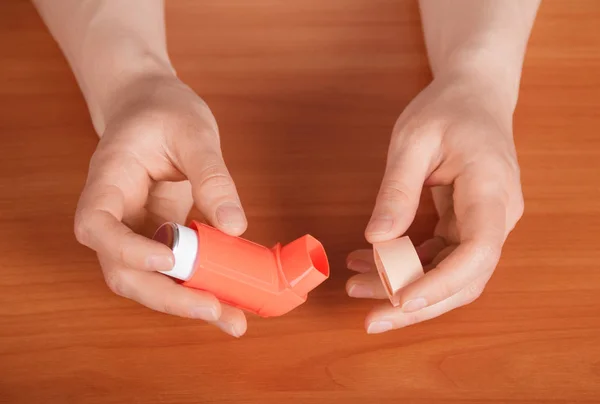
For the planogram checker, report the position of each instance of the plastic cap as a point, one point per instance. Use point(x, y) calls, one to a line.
point(183, 241)
point(398, 265)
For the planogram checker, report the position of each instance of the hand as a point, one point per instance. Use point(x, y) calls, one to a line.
point(158, 155)
point(456, 136)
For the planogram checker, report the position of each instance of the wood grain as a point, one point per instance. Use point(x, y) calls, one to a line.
point(306, 93)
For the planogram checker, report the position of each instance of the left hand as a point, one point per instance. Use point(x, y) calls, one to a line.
point(455, 136)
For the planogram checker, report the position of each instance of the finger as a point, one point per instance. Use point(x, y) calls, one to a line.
point(445, 252)
point(366, 286)
point(170, 201)
point(159, 292)
point(446, 228)
point(442, 198)
point(481, 223)
point(232, 321)
point(429, 249)
point(400, 191)
point(361, 261)
point(385, 317)
point(167, 202)
point(100, 211)
point(213, 189)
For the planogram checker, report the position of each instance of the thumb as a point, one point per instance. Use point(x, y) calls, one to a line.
point(398, 199)
point(213, 189)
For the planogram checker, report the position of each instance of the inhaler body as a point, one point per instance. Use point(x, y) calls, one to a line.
point(264, 281)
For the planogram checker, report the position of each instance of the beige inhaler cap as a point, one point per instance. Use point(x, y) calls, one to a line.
point(398, 265)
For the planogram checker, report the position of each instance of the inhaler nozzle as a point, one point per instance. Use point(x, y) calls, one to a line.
point(304, 264)
point(183, 241)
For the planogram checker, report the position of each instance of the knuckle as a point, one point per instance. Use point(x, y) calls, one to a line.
point(446, 289)
point(168, 306)
point(215, 176)
point(196, 122)
point(408, 128)
point(486, 253)
point(410, 319)
point(130, 249)
point(504, 169)
point(473, 292)
point(515, 212)
point(498, 167)
point(414, 141)
point(418, 140)
point(394, 191)
point(519, 207)
point(82, 226)
point(116, 282)
point(123, 251)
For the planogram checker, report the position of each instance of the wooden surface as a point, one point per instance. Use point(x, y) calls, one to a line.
point(306, 93)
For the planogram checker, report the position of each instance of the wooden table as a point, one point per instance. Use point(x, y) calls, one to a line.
point(306, 92)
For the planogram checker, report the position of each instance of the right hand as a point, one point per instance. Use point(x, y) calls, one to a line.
point(158, 155)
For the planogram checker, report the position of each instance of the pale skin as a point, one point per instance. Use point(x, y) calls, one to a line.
point(159, 154)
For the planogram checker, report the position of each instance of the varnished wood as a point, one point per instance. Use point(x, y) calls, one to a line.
point(306, 93)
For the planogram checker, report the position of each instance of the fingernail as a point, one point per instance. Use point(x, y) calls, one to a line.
point(231, 215)
point(414, 305)
point(358, 290)
point(378, 327)
point(159, 262)
point(359, 266)
point(229, 329)
point(380, 225)
point(205, 313)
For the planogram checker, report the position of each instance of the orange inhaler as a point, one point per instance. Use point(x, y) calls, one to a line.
point(254, 278)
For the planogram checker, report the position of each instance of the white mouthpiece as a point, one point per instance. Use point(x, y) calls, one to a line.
point(183, 241)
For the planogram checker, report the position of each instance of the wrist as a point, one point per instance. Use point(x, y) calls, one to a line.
point(111, 69)
point(494, 80)
point(493, 68)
